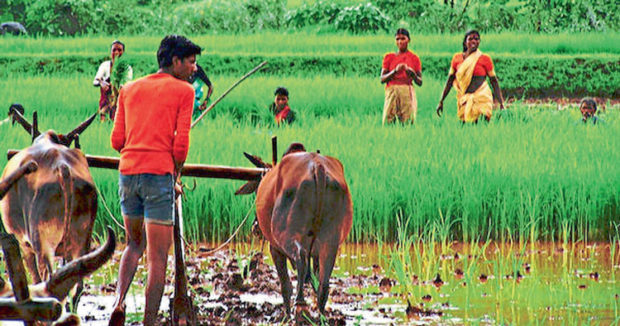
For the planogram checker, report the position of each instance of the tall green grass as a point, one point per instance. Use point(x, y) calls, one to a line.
point(534, 174)
point(312, 44)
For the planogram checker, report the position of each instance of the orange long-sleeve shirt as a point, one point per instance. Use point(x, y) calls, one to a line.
point(152, 123)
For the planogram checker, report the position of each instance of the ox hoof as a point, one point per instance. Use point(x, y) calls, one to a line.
point(302, 314)
point(117, 318)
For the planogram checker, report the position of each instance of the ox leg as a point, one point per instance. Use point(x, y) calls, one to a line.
point(327, 259)
point(44, 262)
point(301, 262)
point(31, 263)
point(279, 260)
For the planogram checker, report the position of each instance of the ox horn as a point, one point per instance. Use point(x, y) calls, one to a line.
point(7, 182)
point(80, 129)
point(67, 276)
point(35, 126)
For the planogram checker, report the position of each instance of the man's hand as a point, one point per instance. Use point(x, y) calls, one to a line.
point(203, 106)
point(400, 67)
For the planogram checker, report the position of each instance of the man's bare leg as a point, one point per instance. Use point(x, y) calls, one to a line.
point(159, 240)
point(136, 243)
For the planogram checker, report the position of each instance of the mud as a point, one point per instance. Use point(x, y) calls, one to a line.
point(233, 289)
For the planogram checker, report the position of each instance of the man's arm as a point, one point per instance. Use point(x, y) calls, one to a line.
point(180, 145)
point(99, 77)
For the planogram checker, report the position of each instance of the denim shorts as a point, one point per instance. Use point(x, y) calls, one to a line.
point(148, 196)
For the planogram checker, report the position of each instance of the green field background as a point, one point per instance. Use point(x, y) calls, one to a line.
point(533, 174)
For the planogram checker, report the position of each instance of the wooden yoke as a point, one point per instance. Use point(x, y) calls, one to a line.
point(189, 170)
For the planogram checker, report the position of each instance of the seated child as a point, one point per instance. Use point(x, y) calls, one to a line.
point(588, 109)
point(280, 107)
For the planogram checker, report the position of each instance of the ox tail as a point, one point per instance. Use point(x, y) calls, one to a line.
point(66, 186)
point(67, 276)
point(320, 182)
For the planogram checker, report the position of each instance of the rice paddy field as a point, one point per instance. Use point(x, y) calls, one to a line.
point(519, 218)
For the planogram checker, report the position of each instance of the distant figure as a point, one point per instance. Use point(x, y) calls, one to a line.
point(398, 71)
point(588, 110)
point(14, 28)
point(197, 80)
point(280, 107)
point(108, 94)
point(468, 73)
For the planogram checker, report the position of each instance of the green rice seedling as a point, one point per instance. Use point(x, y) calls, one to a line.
point(540, 178)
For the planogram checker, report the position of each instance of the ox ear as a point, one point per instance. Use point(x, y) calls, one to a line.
point(257, 161)
point(248, 188)
point(80, 129)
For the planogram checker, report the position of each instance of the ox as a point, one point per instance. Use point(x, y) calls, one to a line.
point(51, 211)
point(304, 210)
point(63, 280)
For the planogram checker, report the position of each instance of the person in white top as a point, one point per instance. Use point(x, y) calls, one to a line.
point(107, 102)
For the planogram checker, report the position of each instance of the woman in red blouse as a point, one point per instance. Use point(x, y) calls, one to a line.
point(468, 73)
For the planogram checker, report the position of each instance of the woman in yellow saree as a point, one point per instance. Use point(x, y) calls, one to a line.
point(468, 73)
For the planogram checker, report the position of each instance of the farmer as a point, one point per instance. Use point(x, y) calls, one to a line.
point(151, 131)
point(468, 73)
point(588, 110)
point(107, 99)
point(197, 80)
point(282, 112)
point(398, 71)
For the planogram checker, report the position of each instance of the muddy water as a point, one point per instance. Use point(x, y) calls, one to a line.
point(499, 284)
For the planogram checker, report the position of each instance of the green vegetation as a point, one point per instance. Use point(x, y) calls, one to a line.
point(534, 174)
point(523, 283)
point(304, 43)
point(154, 17)
point(549, 66)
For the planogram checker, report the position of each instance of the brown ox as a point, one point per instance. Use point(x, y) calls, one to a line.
point(304, 210)
point(63, 280)
point(51, 211)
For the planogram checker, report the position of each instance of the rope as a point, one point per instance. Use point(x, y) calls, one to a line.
point(223, 245)
point(210, 252)
point(107, 208)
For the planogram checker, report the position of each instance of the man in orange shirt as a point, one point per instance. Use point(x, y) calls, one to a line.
point(399, 70)
point(151, 131)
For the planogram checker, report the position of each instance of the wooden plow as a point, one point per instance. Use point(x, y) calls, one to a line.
point(181, 308)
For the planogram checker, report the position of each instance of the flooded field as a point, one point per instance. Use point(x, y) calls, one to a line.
point(451, 283)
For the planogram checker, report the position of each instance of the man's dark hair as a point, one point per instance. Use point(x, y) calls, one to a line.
point(469, 32)
point(403, 31)
point(281, 91)
point(590, 102)
point(118, 42)
point(175, 46)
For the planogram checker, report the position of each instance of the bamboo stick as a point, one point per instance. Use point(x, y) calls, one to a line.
point(257, 68)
